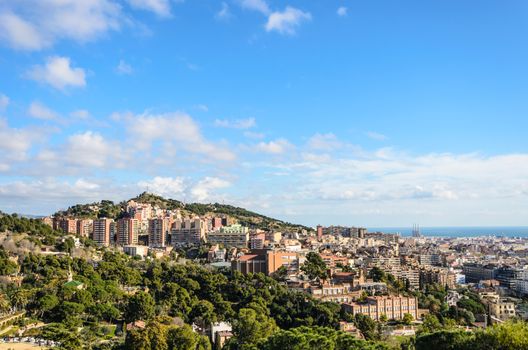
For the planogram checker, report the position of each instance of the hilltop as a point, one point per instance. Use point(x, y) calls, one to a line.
point(109, 209)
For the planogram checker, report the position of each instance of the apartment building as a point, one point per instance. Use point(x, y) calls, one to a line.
point(392, 306)
point(68, 225)
point(158, 230)
point(84, 227)
point(102, 231)
point(437, 276)
point(188, 231)
point(127, 231)
point(476, 272)
point(501, 308)
point(230, 236)
point(256, 241)
point(334, 260)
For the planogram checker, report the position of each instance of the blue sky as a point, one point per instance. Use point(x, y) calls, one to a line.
point(377, 113)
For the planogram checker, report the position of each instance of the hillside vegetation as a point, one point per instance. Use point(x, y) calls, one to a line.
point(106, 208)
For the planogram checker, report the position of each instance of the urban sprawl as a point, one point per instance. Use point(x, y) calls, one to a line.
point(356, 261)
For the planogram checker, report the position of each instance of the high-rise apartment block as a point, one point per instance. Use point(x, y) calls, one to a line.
point(84, 227)
point(158, 232)
point(102, 231)
point(68, 225)
point(188, 231)
point(127, 231)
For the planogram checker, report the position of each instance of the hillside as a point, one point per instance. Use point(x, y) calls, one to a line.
point(106, 208)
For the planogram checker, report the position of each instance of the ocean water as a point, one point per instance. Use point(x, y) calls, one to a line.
point(454, 231)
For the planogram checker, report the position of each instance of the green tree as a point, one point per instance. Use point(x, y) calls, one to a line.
point(203, 313)
point(431, 324)
point(314, 267)
point(184, 338)
point(367, 326)
point(407, 318)
point(250, 327)
point(140, 306)
point(46, 303)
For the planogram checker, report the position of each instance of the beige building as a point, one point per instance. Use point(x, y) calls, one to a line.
point(84, 227)
point(127, 231)
point(230, 236)
point(392, 306)
point(501, 308)
point(188, 231)
point(158, 230)
point(439, 276)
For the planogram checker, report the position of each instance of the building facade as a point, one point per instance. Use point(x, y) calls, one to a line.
point(102, 232)
point(127, 231)
point(394, 307)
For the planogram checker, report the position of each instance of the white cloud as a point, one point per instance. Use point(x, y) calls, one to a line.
point(88, 150)
point(287, 21)
point(37, 24)
point(170, 187)
point(255, 5)
point(124, 68)
point(324, 142)
point(179, 132)
point(15, 144)
point(342, 11)
point(202, 190)
point(376, 136)
point(58, 73)
point(179, 187)
point(224, 14)
point(4, 102)
point(161, 8)
point(19, 33)
point(278, 146)
point(40, 111)
point(247, 123)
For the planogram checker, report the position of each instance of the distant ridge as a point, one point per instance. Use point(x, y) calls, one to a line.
point(106, 208)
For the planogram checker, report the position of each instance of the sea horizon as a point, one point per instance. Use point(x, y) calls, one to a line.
point(457, 231)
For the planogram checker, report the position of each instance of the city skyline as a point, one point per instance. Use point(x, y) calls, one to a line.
point(328, 112)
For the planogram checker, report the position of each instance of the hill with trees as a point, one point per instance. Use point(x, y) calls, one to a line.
point(109, 209)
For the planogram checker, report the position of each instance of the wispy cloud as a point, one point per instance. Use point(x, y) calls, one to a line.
point(247, 123)
point(255, 5)
point(287, 21)
point(40, 111)
point(376, 136)
point(278, 146)
point(38, 24)
point(124, 68)
point(4, 102)
point(283, 22)
point(342, 11)
point(162, 8)
point(224, 14)
point(324, 142)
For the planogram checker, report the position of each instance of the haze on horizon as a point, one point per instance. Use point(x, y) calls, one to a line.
point(367, 113)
